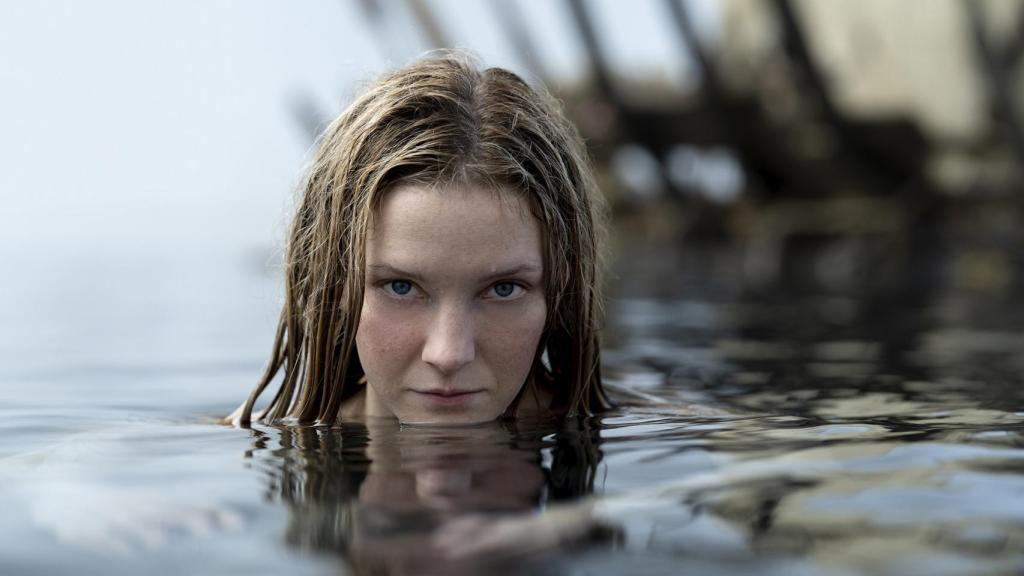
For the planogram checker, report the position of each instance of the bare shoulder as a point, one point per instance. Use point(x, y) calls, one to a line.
point(235, 418)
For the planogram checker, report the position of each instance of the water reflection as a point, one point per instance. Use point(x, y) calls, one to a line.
point(842, 493)
point(384, 498)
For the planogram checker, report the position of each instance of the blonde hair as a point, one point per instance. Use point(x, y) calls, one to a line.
point(440, 122)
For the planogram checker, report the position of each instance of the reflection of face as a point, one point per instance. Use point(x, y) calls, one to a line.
point(421, 477)
point(399, 507)
point(449, 469)
point(456, 481)
point(454, 304)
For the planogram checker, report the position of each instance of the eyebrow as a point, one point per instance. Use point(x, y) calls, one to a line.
point(518, 270)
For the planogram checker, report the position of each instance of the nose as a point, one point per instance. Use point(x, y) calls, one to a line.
point(450, 343)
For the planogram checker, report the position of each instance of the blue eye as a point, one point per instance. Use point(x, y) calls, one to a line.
point(399, 287)
point(505, 289)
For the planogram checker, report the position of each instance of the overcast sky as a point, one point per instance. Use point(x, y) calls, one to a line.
point(128, 122)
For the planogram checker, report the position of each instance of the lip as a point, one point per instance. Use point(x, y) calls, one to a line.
point(445, 397)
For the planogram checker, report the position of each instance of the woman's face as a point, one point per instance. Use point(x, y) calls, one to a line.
point(454, 304)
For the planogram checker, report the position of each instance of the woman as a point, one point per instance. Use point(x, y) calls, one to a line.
point(443, 264)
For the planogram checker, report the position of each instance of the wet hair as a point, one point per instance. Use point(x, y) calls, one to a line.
point(440, 122)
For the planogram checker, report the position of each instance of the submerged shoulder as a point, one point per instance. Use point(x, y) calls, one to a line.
point(626, 396)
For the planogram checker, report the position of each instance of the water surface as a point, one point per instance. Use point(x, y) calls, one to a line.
point(819, 434)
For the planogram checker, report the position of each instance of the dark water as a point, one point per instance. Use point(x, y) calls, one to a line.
point(810, 434)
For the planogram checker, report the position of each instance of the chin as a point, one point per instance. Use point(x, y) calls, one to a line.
point(449, 419)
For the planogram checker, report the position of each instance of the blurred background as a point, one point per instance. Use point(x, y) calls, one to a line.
point(150, 152)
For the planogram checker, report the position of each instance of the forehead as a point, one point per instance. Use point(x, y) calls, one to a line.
point(453, 229)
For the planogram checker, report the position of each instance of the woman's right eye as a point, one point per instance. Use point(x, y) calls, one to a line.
point(399, 288)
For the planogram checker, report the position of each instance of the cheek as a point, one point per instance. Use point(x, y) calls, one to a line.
point(385, 337)
point(511, 337)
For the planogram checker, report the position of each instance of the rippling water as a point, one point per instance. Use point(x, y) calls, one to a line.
point(810, 435)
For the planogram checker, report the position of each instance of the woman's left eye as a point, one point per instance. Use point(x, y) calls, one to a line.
point(505, 290)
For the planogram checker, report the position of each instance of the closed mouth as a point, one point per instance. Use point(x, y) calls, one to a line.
point(443, 393)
